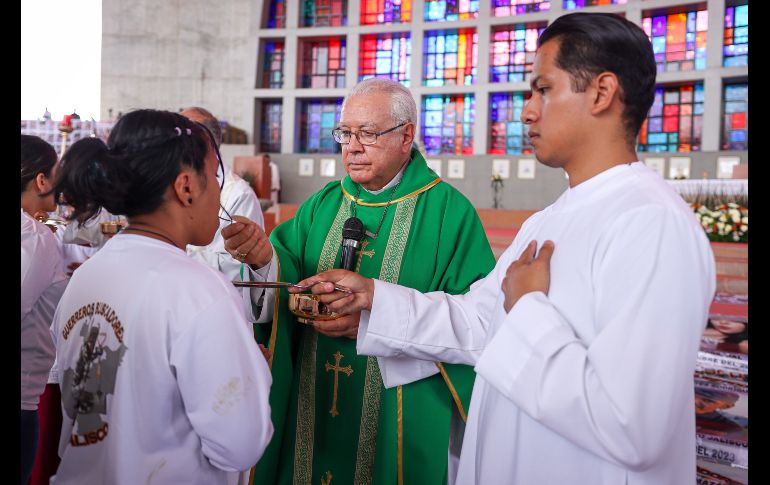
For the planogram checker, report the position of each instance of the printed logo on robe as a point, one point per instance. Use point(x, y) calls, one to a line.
point(86, 386)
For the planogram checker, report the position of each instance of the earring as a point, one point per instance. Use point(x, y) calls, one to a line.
point(189, 200)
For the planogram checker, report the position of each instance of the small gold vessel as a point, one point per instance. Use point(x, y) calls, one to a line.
point(110, 228)
point(308, 307)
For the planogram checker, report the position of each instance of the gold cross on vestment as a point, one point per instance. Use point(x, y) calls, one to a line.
point(337, 369)
point(361, 253)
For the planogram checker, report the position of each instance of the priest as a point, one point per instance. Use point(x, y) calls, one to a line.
point(344, 418)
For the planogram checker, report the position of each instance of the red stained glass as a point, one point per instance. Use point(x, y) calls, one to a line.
point(738, 121)
point(671, 124)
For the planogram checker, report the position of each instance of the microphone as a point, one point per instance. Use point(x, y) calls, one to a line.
point(352, 234)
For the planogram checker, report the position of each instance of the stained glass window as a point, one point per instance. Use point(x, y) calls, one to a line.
point(323, 63)
point(675, 122)
point(678, 39)
point(321, 13)
point(444, 10)
point(513, 52)
point(573, 4)
point(318, 117)
point(270, 129)
point(385, 11)
point(450, 57)
point(276, 14)
point(508, 135)
point(735, 128)
point(385, 55)
point(505, 8)
point(736, 45)
point(447, 124)
point(272, 64)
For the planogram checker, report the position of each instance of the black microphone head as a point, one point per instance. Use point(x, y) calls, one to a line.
point(353, 229)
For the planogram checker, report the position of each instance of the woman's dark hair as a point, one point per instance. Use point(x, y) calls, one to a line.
point(131, 173)
point(734, 338)
point(37, 156)
point(592, 43)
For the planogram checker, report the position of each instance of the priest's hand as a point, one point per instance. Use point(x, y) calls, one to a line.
point(345, 326)
point(359, 298)
point(528, 273)
point(247, 242)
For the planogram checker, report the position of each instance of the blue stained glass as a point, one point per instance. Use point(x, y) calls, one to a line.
point(735, 106)
point(659, 45)
point(736, 92)
point(451, 43)
point(383, 66)
point(657, 138)
point(742, 15)
point(740, 32)
point(738, 136)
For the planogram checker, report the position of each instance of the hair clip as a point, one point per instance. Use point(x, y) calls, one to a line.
point(179, 131)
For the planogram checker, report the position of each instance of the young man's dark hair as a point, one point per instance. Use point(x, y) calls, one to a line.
point(592, 43)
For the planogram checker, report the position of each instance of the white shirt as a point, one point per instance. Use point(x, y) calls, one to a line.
point(42, 284)
point(240, 200)
point(90, 232)
point(593, 382)
point(172, 385)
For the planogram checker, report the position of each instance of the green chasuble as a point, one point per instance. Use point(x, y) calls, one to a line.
point(335, 423)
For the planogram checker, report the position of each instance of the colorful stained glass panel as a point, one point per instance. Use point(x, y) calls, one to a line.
point(272, 64)
point(318, 117)
point(736, 44)
point(513, 52)
point(385, 55)
point(574, 4)
point(448, 10)
point(270, 129)
point(385, 11)
point(508, 135)
point(447, 124)
point(735, 112)
point(324, 13)
point(675, 121)
point(276, 14)
point(506, 8)
point(678, 39)
point(323, 63)
point(450, 57)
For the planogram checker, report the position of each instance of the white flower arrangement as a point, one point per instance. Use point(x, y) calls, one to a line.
point(727, 222)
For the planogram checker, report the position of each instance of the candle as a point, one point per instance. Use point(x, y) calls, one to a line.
point(67, 120)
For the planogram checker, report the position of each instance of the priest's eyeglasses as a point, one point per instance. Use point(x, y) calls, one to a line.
point(364, 137)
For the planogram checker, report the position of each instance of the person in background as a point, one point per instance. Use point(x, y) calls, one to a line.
point(239, 202)
point(42, 284)
point(160, 377)
point(275, 180)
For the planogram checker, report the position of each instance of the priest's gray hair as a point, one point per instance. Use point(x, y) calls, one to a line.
point(403, 108)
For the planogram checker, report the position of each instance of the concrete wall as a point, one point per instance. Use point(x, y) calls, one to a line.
point(174, 54)
point(518, 193)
